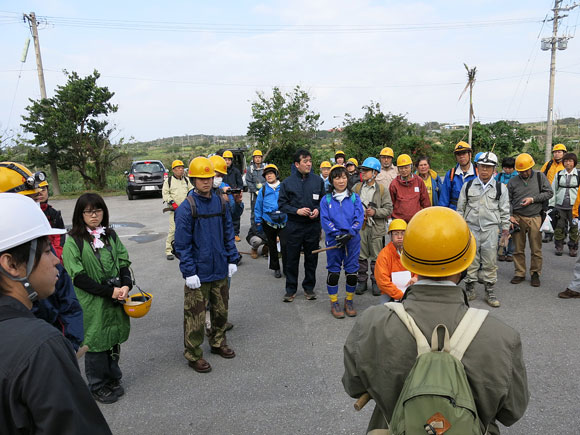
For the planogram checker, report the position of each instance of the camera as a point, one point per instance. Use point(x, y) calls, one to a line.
point(113, 282)
point(515, 228)
point(235, 191)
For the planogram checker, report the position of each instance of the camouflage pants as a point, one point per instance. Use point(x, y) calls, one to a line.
point(195, 301)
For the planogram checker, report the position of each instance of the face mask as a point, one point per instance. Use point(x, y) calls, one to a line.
point(217, 181)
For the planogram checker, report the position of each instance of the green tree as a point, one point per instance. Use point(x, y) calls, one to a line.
point(281, 124)
point(71, 130)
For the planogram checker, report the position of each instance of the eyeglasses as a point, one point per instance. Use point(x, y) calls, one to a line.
point(94, 212)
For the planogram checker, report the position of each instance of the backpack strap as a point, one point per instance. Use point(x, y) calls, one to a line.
point(192, 205)
point(548, 166)
point(469, 183)
point(409, 322)
point(357, 188)
point(466, 331)
point(497, 190)
point(353, 197)
point(169, 181)
point(452, 174)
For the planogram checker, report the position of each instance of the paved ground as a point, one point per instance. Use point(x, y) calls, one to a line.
point(286, 376)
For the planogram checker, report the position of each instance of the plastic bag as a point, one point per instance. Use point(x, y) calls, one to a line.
point(547, 225)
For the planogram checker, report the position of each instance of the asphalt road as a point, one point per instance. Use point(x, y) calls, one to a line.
point(286, 377)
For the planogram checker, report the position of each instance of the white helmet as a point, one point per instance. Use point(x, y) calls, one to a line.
point(21, 221)
point(487, 158)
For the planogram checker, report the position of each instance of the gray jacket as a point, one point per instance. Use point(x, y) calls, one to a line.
point(254, 177)
point(519, 189)
point(379, 353)
point(481, 210)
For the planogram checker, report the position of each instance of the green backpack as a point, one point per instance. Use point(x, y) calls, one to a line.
point(436, 397)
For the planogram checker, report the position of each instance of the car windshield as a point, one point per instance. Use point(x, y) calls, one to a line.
point(148, 167)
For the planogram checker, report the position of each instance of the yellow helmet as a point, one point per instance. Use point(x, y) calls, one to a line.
point(257, 153)
point(437, 243)
point(43, 184)
point(560, 147)
point(404, 160)
point(201, 167)
point(325, 164)
point(336, 167)
point(177, 163)
point(397, 225)
point(524, 162)
point(352, 161)
point(16, 178)
point(270, 168)
point(339, 153)
point(138, 305)
point(228, 155)
point(219, 164)
point(462, 146)
point(387, 151)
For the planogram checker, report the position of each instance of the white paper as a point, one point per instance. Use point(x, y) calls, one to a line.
point(400, 279)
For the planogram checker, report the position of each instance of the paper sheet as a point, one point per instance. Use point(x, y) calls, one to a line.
point(400, 279)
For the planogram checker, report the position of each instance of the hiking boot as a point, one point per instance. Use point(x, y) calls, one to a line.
point(254, 253)
point(265, 251)
point(569, 294)
point(559, 247)
point(336, 311)
point(548, 237)
point(277, 273)
point(501, 258)
point(229, 326)
point(491, 299)
point(535, 279)
point(517, 279)
point(361, 287)
point(376, 289)
point(116, 387)
point(349, 308)
point(470, 291)
point(105, 395)
point(509, 258)
point(573, 251)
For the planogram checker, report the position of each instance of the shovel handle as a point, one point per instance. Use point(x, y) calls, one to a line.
point(362, 401)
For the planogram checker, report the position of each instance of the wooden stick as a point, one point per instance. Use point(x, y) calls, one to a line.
point(317, 251)
point(82, 350)
point(362, 401)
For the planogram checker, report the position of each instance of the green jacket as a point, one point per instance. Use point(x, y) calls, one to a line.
point(384, 208)
point(105, 321)
point(380, 351)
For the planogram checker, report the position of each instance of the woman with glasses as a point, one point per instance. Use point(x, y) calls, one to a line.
point(99, 264)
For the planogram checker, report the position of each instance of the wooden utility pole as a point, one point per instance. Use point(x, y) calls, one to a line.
point(34, 29)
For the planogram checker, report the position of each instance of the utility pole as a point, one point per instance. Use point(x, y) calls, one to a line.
point(31, 18)
point(552, 44)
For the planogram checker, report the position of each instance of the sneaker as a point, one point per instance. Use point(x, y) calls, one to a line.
point(376, 289)
point(535, 279)
point(310, 296)
point(116, 387)
point(361, 287)
point(569, 294)
point(277, 274)
point(491, 298)
point(289, 298)
point(336, 311)
point(105, 395)
point(349, 308)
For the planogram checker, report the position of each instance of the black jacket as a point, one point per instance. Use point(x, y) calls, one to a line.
point(234, 178)
point(41, 388)
point(298, 191)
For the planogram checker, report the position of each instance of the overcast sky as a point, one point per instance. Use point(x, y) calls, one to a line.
point(190, 67)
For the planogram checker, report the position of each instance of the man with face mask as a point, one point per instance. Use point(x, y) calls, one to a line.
point(174, 191)
point(527, 193)
point(234, 200)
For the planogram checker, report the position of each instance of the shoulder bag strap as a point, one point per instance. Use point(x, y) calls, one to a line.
point(466, 331)
point(409, 322)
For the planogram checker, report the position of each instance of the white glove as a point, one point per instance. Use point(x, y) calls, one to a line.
point(193, 282)
point(575, 221)
point(232, 268)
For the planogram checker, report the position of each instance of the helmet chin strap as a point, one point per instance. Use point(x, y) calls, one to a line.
point(32, 295)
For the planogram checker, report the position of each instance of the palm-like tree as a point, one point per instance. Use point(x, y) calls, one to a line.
point(470, 83)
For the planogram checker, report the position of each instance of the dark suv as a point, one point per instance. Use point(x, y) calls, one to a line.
point(145, 176)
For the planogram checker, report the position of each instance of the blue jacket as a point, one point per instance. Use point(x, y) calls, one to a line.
point(346, 216)
point(205, 245)
point(62, 309)
point(450, 189)
point(298, 191)
point(266, 202)
point(504, 178)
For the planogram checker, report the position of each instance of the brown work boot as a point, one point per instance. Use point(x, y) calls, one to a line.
point(509, 258)
point(535, 279)
point(569, 294)
point(265, 250)
point(559, 247)
point(200, 366)
point(573, 251)
point(517, 279)
point(336, 311)
point(349, 308)
point(501, 258)
point(254, 253)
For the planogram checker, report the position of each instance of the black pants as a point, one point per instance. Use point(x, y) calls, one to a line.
point(301, 236)
point(236, 223)
point(102, 367)
point(272, 233)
